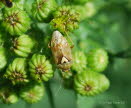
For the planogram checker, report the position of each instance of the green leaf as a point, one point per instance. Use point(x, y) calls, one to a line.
point(63, 97)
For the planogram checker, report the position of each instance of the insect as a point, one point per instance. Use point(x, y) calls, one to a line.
point(61, 51)
point(8, 3)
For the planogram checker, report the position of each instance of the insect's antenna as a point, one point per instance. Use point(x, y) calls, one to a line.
point(72, 43)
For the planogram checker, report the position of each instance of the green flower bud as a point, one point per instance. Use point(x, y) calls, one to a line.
point(42, 9)
point(8, 96)
point(32, 93)
point(3, 58)
point(97, 59)
point(80, 61)
point(65, 19)
point(90, 83)
point(104, 83)
point(86, 83)
point(23, 45)
point(40, 68)
point(16, 71)
point(66, 74)
point(15, 20)
point(91, 8)
point(85, 11)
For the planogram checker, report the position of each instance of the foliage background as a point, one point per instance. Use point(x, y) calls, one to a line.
point(109, 28)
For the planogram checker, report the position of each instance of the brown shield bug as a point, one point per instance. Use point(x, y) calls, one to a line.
point(61, 51)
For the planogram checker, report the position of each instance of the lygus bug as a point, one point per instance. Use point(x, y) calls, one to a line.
point(61, 51)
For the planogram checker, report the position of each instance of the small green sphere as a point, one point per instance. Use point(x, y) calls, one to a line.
point(65, 19)
point(66, 74)
point(86, 83)
point(79, 62)
point(104, 83)
point(40, 68)
point(85, 11)
point(97, 59)
point(32, 93)
point(42, 9)
point(15, 20)
point(90, 83)
point(8, 96)
point(23, 45)
point(16, 71)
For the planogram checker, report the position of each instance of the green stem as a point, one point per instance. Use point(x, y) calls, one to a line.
point(122, 54)
point(76, 100)
point(50, 94)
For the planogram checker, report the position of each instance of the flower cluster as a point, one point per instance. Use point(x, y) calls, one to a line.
point(26, 56)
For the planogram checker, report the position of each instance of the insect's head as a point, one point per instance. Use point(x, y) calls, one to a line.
point(65, 64)
point(56, 37)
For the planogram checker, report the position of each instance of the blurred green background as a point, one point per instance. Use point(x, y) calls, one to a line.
point(108, 27)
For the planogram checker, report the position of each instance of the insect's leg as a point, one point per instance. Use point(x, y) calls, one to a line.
point(49, 45)
point(72, 46)
point(72, 43)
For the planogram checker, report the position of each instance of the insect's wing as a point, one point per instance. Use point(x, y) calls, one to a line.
point(66, 50)
point(57, 53)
